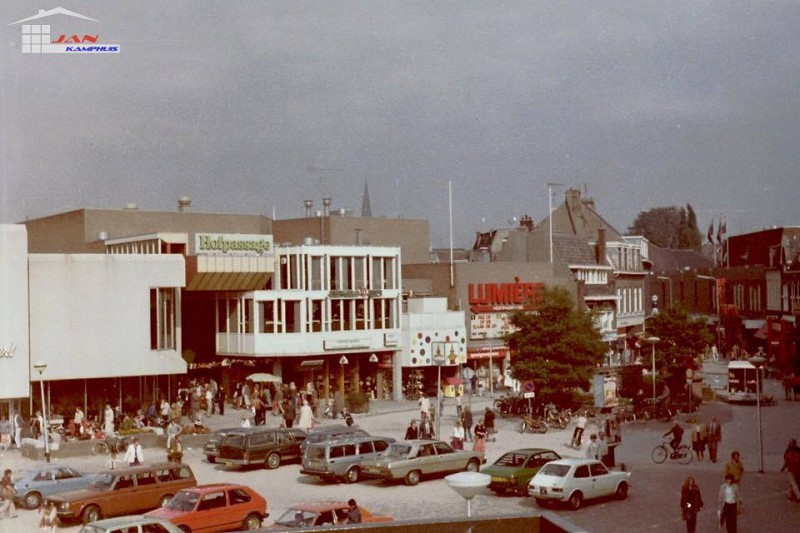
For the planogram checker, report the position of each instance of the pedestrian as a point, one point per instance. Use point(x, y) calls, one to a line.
point(37, 423)
point(5, 433)
point(8, 493)
point(602, 449)
point(426, 429)
point(488, 422)
point(289, 412)
point(173, 429)
point(209, 397)
point(593, 449)
point(48, 516)
point(175, 451)
point(306, 420)
point(353, 513)
point(474, 383)
point(424, 407)
point(791, 463)
point(459, 405)
point(246, 395)
point(714, 438)
point(698, 440)
point(577, 433)
point(735, 468)
point(17, 426)
point(412, 431)
point(480, 437)
point(133, 455)
point(466, 421)
point(691, 503)
point(108, 420)
point(220, 399)
point(457, 437)
point(729, 503)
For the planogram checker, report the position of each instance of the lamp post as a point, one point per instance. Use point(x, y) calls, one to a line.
point(758, 362)
point(653, 341)
point(439, 359)
point(41, 366)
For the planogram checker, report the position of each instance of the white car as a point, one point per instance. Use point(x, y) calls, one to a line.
point(575, 480)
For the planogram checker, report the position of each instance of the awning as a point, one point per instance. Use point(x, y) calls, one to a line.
point(312, 362)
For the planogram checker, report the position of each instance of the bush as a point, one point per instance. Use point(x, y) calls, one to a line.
point(357, 402)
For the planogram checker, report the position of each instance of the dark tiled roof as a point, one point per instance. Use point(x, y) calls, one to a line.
point(573, 250)
point(668, 260)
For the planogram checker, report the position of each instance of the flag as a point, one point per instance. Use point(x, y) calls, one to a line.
point(710, 234)
point(721, 229)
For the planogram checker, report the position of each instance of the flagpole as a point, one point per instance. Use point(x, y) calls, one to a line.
point(450, 203)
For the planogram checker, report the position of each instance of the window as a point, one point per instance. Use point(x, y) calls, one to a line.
point(361, 314)
point(315, 274)
point(314, 322)
point(336, 315)
point(325, 517)
point(442, 448)
point(270, 317)
point(214, 500)
point(145, 478)
point(292, 314)
point(365, 447)
point(582, 471)
point(598, 469)
point(162, 318)
point(66, 473)
point(153, 528)
point(360, 272)
point(237, 496)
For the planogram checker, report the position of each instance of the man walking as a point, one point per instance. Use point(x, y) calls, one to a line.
point(714, 437)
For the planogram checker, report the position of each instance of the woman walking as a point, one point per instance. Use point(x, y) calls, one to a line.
point(480, 437)
point(729, 502)
point(691, 503)
point(457, 437)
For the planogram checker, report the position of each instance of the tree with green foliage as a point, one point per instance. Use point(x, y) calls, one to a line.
point(555, 344)
point(682, 339)
point(669, 227)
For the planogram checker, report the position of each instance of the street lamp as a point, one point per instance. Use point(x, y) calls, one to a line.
point(41, 366)
point(758, 362)
point(653, 341)
point(439, 359)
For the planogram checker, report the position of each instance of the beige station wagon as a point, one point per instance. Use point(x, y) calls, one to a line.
point(123, 491)
point(412, 460)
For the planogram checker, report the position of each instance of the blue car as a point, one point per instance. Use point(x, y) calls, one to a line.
point(38, 483)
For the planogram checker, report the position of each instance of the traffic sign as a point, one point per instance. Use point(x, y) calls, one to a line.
point(528, 386)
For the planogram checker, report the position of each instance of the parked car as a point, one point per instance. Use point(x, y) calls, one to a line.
point(131, 524)
point(514, 469)
point(123, 491)
point(414, 459)
point(211, 447)
point(215, 507)
point(575, 480)
point(36, 484)
point(261, 446)
point(321, 513)
point(341, 459)
point(330, 433)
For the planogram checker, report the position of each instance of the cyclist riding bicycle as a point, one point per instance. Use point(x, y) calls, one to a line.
point(677, 434)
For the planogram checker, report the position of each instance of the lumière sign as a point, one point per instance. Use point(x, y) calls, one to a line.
point(232, 244)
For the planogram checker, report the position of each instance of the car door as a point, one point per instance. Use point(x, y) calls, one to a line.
point(427, 461)
point(582, 481)
point(602, 480)
point(118, 500)
point(210, 513)
point(239, 506)
point(449, 460)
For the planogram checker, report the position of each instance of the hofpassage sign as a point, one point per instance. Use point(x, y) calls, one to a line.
point(228, 244)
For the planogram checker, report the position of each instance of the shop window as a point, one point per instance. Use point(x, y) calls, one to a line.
point(292, 314)
point(162, 318)
point(361, 314)
point(315, 315)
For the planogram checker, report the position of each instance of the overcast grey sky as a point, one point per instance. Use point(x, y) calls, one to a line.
point(239, 104)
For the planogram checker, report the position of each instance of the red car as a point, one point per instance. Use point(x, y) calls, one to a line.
point(215, 507)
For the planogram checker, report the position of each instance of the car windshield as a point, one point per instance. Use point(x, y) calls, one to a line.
point(294, 517)
point(555, 470)
point(398, 450)
point(92, 529)
point(183, 501)
point(316, 452)
point(102, 481)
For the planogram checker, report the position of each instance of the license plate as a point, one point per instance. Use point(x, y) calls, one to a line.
point(228, 463)
point(498, 480)
point(542, 490)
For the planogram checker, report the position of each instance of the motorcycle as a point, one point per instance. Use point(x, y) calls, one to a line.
point(533, 424)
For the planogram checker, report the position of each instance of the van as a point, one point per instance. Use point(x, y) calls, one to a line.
point(123, 491)
point(340, 459)
point(261, 446)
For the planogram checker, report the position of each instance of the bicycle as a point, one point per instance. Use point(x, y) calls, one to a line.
point(683, 454)
point(110, 444)
point(533, 424)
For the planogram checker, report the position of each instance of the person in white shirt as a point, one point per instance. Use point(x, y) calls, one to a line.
point(457, 438)
point(133, 455)
point(577, 434)
point(593, 448)
point(729, 501)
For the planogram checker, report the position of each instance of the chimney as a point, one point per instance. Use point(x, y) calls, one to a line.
point(573, 199)
point(184, 204)
point(326, 207)
point(600, 246)
point(309, 205)
point(526, 222)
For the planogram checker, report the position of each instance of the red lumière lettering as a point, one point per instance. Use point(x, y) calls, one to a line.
point(74, 39)
point(502, 293)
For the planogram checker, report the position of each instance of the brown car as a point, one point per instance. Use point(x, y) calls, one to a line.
point(321, 514)
point(123, 491)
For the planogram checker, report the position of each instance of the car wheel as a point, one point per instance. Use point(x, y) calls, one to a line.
point(32, 500)
point(413, 477)
point(252, 522)
point(164, 500)
point(91, 514)
point(575, 500)
point(211, 459)
point(352, 475)
point(473, 466)
point(273, 461)
point(499, 490)
point(622, 491)
point(542, 502)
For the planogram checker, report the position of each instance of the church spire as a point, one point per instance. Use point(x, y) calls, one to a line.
point(366, 210)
